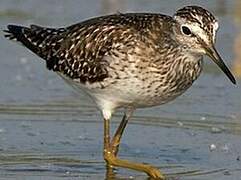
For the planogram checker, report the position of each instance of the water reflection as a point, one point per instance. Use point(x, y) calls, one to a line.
point(59, 165)
point(68, 110)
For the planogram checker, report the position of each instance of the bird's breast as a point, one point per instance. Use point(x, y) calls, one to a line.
point(145, 86)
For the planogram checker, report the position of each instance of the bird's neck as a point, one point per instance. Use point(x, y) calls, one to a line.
point(191, 65)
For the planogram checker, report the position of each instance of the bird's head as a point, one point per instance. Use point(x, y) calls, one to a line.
point(195, 28)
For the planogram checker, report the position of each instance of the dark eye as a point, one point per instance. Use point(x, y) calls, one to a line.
point(186, 30)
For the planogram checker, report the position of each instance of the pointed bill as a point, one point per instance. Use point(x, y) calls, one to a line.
point(213, 54)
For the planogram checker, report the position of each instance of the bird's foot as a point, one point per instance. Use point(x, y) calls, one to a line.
point(112, 160)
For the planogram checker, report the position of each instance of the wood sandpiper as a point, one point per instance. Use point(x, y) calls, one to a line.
point(129, 61)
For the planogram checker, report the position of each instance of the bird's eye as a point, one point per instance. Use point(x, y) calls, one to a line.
point(186, 30)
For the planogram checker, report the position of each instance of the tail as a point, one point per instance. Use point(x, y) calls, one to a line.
point(42, 41)
point(23, 35)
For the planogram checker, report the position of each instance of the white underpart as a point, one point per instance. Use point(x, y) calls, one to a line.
point(104, 102)
point(107, 114)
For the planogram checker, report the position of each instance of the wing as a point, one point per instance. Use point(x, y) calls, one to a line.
point(79, 51)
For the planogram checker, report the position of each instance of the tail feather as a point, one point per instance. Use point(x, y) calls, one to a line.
point(9, 35)
point(21, 34)
point(13, 32)
point(42, 41)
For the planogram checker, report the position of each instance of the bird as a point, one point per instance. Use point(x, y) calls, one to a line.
point(128, 61)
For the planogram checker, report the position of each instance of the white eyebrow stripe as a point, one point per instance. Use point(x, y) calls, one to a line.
point(197, 30)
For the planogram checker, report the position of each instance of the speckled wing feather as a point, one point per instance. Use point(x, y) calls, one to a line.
point(42, 41)
point(78, 51)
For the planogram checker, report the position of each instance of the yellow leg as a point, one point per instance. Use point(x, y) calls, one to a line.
point(106, 138)
point(118, 134)
point(148, 169)
point(111, 150)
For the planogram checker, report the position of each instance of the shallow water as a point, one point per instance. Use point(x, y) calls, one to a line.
point(48, 133)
